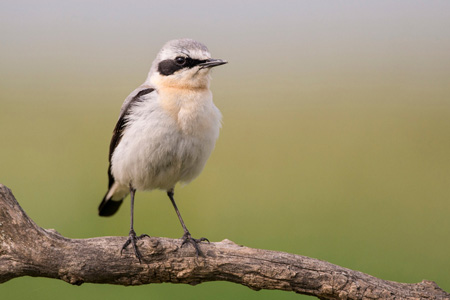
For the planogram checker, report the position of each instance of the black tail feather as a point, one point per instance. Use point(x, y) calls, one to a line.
point(109, 207)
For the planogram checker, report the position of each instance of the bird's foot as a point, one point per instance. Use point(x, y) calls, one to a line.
point(132, 239)
point(187, 238)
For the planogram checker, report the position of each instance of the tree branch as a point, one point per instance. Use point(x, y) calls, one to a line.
point(28, 250)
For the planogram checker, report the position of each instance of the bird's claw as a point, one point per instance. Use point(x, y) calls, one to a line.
point(187, 238)
point(132, 239)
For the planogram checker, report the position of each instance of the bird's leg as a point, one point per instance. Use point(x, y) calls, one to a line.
point(187, 238)
point(132, 238)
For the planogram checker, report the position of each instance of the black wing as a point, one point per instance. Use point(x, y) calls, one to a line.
point(120, 126)
point(109, 206)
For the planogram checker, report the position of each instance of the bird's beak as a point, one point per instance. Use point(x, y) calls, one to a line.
point(209, 63)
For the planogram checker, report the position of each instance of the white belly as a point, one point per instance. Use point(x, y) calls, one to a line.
point(155, 152)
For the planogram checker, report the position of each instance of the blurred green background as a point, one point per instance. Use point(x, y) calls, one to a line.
point(335, 140)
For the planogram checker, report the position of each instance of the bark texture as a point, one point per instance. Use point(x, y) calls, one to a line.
point(28, 250)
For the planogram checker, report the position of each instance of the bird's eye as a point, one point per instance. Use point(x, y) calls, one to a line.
point(180, 60)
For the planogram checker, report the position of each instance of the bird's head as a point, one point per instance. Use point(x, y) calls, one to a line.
point(184, 64)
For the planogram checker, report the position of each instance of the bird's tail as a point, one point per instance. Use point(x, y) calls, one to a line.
point(112, 201)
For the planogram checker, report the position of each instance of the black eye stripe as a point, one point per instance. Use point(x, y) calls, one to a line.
point(193, 62)
point(170, 66)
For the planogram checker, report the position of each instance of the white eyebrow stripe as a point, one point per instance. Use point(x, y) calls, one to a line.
point(186, 52)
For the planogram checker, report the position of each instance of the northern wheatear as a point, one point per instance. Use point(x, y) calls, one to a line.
point(166, 131)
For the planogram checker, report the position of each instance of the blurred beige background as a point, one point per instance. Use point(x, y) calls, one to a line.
point(335, 141)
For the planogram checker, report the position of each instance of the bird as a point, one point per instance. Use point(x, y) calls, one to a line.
point(166, 131)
